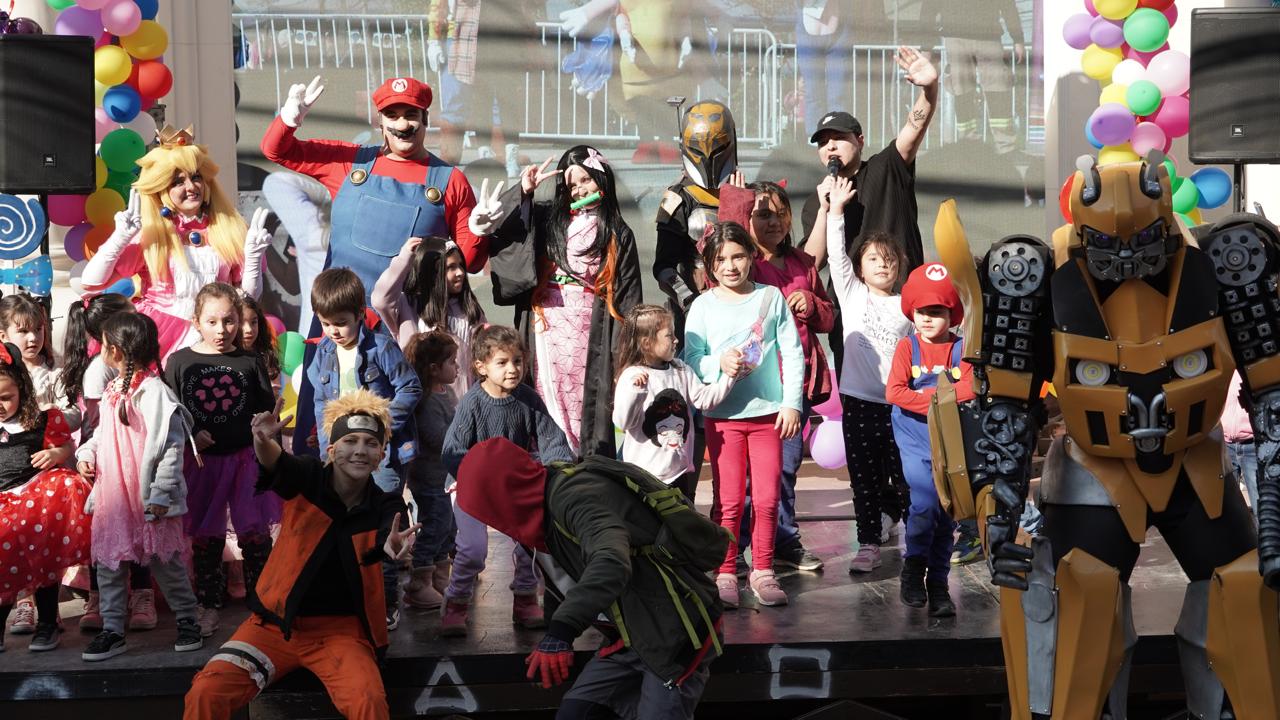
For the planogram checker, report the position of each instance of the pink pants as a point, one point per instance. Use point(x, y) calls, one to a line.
point(738, 447)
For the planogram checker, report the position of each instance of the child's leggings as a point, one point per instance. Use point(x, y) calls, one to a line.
point(738, 447)
point(472, 543)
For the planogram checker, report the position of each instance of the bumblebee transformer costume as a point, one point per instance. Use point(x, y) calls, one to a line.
point(709, 150)
point(1139, 326)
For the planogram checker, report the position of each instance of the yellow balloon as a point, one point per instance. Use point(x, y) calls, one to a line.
point(99, 171)
point(1098, 62)
point(148, 42)
point(290, 401)
point(1114, 93)
point(101, 206)
point(1115, 9)
point(1195, 216)
point(111, 65)
point(1117, 154)
point(98, 91)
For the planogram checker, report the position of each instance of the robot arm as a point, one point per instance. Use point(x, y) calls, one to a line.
point(1245, 250)
point(983, 447)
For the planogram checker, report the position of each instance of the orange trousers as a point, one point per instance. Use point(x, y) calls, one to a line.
point(334, 649)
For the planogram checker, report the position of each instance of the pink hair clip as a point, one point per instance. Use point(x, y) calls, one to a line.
point(595, 160)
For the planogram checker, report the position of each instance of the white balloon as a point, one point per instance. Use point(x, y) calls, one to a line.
point(73, 279)
point(296, 381)
point(1171, 71)
point(144, 125)
point(1127, 72)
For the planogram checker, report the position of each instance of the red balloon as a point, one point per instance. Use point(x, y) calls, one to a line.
point(1156, 4)
point(1064, 198)
point(154, 79)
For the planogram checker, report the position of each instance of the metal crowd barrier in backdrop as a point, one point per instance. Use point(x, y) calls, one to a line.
point(754, 72)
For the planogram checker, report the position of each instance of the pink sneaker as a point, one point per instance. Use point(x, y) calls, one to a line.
point(91, 621)
point(867, 559)
point(453, 622)
point(727, 586)
point(764, 585)
point(142, 610)
point(526, 612)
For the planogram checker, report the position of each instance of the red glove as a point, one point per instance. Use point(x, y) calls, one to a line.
point(552, 658)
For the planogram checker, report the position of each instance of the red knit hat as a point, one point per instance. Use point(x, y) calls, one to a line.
point(502, 486)
point(402, 90)
point(930, 284)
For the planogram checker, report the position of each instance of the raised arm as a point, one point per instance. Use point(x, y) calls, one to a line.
point(388, 298)
point(921, 73)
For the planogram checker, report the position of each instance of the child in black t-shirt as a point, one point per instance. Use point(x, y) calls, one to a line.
point(223, 387)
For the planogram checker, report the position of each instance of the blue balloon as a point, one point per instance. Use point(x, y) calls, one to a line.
point(121, 103)
point(149, 8)
point(121, 287)
point(1088, 135)
point(1214, 185)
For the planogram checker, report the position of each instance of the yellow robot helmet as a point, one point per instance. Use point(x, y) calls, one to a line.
point(1122, 216)
point(709, 143)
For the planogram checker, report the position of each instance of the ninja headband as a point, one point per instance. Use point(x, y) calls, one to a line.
point(354, 423)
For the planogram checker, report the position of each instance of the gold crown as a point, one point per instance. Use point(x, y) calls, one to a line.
point(170, 136)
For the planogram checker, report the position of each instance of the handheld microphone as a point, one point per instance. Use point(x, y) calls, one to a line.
point(833, 169)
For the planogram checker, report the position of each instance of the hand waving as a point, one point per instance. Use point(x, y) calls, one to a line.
point(299, 101)
point(919, 71)
point(129, 220)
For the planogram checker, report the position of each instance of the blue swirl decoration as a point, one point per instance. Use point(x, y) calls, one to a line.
point(22, 225)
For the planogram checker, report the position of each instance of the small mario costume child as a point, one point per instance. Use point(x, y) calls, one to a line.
point(319, 602)
point(932, 304)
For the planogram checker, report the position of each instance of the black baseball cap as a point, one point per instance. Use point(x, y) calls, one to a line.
point(838, 121)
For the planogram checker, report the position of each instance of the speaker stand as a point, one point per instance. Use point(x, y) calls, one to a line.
point(1237, 187)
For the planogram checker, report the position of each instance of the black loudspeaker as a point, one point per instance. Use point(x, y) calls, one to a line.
point(1235, 86)
point(46, 114)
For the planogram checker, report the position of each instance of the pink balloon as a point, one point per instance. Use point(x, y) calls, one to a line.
point(1174, 116)
point(1075, 31)
point(92, 4)
point(830, 408)
point(73, 244)
point(1171, 72)
point(121, 17)
point(101, 124)
point(1171, 13)
point(1143, 57)
point(1147, 136)
point(276, 324)
point(66, 209)
point(1088, 5)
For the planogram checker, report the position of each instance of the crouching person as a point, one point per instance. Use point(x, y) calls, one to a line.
point(624, 546)
point(319, 602)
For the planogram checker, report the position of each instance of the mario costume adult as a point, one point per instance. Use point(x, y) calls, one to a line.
point(319, 602)
point(913, 379)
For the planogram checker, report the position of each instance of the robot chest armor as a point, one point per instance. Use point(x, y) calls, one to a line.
point(1147, 376)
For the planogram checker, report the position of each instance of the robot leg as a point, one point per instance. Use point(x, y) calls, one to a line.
point(1242, 639)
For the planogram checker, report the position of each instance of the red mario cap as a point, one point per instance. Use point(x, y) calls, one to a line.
point(930, 284)
point(402, 90)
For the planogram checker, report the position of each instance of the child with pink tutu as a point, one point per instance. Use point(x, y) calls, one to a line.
point(223, 387)
point(139, 494)
point(43, 528)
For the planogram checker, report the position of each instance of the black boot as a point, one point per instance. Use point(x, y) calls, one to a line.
point(940, 604)
point(211, 581)
point(912, 582)
point(255, 556)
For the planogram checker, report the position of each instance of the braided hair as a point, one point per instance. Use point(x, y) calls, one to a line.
point(137, 339)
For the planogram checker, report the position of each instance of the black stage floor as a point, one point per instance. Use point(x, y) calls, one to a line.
point(842, 637)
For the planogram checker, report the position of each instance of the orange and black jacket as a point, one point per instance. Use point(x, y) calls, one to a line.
point(315, 520)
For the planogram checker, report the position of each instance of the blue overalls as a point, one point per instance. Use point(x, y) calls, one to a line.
point(929, 528)
point(372, 217)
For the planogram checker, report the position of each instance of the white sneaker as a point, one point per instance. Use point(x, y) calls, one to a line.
point(24, 618)
point(887, 528)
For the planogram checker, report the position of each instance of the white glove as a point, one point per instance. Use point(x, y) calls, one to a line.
point(574, 21)
point(256, 240)
point(128, 220)
point(686, 48)
point(625, 38)
point(435, 55)
point(492, 208)
point(301, 98)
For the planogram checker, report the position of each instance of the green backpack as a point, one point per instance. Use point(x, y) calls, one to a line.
point(684, 540)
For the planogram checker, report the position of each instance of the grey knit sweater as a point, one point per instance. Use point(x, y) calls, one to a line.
point(521, 417)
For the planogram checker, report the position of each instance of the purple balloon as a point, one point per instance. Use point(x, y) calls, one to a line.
point(78, 21)
point(1112, 124)
point(1106, 33)
point(24, 26)
point(1076, 30)
point(73, 244)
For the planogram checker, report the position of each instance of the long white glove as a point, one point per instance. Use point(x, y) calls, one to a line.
point(301, 98)
point(686, 49)
point(435, 55)
point(574, 21)
point(256, 240)
point(128, 224)
point(492, 208)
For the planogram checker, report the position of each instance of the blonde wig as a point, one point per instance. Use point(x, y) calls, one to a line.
point(160, 241)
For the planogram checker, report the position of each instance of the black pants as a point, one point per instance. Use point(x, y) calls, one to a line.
point(875, 468)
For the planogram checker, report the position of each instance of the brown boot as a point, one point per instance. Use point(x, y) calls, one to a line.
point(420, 594)
point(440, 576)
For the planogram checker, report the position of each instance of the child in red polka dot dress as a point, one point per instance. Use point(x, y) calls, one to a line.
point(43, 527)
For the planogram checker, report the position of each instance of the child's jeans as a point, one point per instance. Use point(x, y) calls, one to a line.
point(435, 512)
point(472, 543)
point(739, 446)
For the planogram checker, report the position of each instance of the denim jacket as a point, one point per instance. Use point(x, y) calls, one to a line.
point(384, 372)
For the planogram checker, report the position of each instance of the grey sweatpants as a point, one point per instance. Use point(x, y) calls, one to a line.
point(171, 575)
point(624, 684)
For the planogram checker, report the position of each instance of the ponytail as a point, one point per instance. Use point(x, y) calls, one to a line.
point(84, 321)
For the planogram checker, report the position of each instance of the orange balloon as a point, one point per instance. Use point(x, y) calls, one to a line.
point(1064, 198)
point(94, 239)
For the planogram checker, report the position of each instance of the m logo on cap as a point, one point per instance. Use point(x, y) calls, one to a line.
point(936, 272)
point(399, 85)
